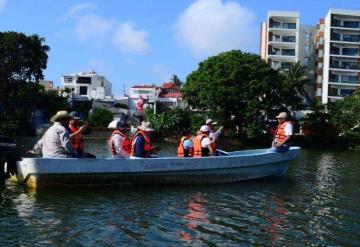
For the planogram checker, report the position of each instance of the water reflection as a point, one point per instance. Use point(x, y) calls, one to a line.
point(276, 217)
point(196, 216)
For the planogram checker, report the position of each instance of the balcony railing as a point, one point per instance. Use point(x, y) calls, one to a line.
point(352, 54)
point(354, 38)
point(344, 66)
point(282, 53)
point(346, 24)
point(283, 25)
point(347, 80)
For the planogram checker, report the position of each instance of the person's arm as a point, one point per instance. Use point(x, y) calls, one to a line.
point(38, 146)
point(79, 131)
point(65, 141)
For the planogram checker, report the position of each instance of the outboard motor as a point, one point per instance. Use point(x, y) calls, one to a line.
point(8, 156)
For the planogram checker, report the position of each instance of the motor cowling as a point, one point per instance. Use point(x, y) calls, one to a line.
point(9, 156)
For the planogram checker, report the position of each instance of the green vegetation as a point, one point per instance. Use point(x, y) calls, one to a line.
point(170, 122)
point(100, 117)
point(240, 89)
point(22, 61)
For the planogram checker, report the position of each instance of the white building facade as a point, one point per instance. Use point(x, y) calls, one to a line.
point(339, 55)
point(279, 42)
point(88, 85)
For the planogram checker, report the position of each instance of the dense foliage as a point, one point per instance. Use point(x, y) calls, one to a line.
point(22, 61)
point(240, 89)
point(100, 117)
point(170, 122)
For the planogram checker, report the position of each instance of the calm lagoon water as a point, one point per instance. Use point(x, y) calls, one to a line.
point(316, 204)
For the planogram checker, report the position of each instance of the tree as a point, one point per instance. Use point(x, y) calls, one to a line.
point(175, 79)
point(100, 117)
point(297, 76)
point(22, 61)
point(242, 86)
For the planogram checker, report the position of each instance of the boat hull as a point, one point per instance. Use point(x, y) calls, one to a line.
point(238, 166)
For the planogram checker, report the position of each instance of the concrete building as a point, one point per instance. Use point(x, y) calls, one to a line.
point(88, 86)
point(279, 42)
point(338, 55)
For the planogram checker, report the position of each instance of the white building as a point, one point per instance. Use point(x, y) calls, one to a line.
point(279, 41)
point(149, 93)
point(338, 58)
point(88, 85)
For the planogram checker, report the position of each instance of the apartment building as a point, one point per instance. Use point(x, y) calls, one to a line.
point(338, 55)
point(331, 50)
point(88, 85)
point(279, 42)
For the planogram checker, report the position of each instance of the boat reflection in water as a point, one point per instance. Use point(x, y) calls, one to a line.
point(197, 215)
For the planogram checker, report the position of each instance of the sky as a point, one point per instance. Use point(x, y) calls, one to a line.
point(147, 41)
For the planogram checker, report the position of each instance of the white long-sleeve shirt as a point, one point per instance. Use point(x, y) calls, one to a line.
point(118, 140)
point(55, 142)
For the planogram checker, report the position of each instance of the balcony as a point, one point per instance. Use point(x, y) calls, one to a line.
point(344, 79)
point(282, 25)
point(345, 24)
point(346, 38)
point(344, 65)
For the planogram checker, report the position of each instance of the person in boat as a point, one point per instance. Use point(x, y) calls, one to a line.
point(213, 135)
point(55, 143)
point(76, 137)
point(202, 144)
point(283, 133)
point(119, 142)
point(141, 143)
point(186, 146)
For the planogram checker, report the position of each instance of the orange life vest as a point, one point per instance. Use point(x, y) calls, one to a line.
point(198, 150)
point(280, 132)
point(147, 147)
point(126, 145)
point(181, 152)
point(76, 141)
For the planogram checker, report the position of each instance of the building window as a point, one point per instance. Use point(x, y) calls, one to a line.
point(68, 79)
point(84, 80)
point(289, 25)
point(83, 90)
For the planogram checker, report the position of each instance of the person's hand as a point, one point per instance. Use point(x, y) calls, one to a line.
point(31, 151)
point(84, 127)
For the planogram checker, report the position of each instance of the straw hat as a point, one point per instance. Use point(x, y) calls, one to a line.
point(145, 126)
point(60, 115)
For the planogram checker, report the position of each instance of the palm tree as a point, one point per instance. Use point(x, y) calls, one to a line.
point(298, 77)
point(175, 79)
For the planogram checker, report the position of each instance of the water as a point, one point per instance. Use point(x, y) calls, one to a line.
point(316, 204)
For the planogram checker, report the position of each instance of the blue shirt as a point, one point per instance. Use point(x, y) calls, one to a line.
point(187, 144)
point(139, 146)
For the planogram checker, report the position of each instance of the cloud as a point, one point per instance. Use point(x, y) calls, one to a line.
point(2, 5)
point(207, 27)
point(78, 9)
point(128, 39)
point(93, 26)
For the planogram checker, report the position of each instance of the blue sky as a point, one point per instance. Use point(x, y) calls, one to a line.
point(146, 41)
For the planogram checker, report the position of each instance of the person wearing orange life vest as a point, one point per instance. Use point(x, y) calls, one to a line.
point(283, 134)
point(76, 137)
point(141, 143)
point(202, 143)
point(119, 143)
point(186, 146)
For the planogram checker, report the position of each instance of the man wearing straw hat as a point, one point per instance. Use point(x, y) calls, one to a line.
point(56, 142)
